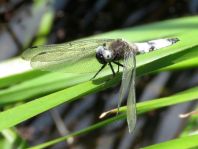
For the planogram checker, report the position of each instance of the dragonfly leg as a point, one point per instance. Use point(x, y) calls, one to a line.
point(103, 66)
point(117, 63)
point(112, 69)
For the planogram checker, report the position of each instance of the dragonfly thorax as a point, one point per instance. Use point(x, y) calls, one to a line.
point(104, 55)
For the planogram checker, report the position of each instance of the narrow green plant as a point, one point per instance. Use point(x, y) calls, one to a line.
point(25, 86)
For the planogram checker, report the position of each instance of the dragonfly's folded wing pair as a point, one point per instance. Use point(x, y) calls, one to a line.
point(128, 84)
point(77, 56)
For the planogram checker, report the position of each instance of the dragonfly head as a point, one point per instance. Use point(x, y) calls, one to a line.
point(103, 54)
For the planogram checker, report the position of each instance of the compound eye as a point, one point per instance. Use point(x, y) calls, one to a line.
point(99, 49)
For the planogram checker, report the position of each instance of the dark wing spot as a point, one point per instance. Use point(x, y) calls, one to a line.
point(104, 45)
point(42, 53)
point(34, 47)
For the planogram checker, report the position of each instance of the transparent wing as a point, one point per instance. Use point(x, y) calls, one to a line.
point(128, 83)
point(131, 99)
point(76, 56)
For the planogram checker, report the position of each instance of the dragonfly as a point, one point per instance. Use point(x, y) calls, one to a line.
point(93, 55)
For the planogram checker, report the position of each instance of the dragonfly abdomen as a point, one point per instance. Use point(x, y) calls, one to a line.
point(152, 45)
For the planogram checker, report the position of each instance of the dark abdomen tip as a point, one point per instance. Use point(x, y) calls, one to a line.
point(173, 40)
